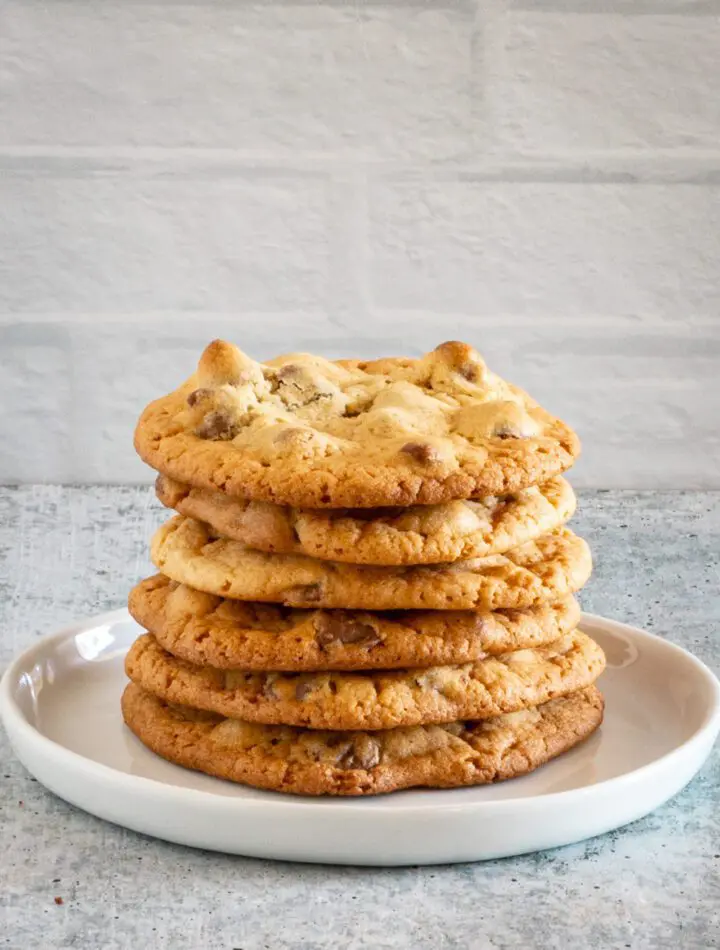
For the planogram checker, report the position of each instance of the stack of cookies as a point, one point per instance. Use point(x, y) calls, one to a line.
point(368, 582)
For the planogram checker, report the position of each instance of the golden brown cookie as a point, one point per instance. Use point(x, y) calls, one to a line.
point(307, 432)
point(372, 700)
point(422, 534)
point(232, 634)
point(306, 762)
point(542, 571)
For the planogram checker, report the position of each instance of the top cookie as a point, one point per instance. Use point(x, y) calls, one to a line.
point(304, 431)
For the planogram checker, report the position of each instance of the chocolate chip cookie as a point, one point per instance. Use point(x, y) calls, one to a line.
point(422, 534)
point(303, 431)
point(541, 571)
point(307, 762)
point(231, 634)
point(372, 700)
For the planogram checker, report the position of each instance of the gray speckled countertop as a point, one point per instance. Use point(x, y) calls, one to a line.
point(65, 553)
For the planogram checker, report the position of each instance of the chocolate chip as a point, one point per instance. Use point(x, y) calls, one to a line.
point(505, 430)
point(197, 395)
point(303, 689)
point(498, 510)
point(340, 627)
point(471, 371)
point(303, 594)
point(315, 396)
point(217, 425)
point(363, 753)
point(288, 371)
point(421, 451)
point(514, 616)
point(271, 378)
point(297, 387)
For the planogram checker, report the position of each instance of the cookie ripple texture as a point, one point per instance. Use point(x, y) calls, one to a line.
point(230, 634)
point(421, 534)
point(303, 431)
point(307, 762)
point(351, 701)
point(542, 571)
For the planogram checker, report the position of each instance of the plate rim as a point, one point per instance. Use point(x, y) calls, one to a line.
point(16, 724)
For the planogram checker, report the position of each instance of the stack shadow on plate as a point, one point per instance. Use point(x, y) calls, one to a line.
point(368, 584)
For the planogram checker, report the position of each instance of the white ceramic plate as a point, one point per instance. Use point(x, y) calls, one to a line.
point(59, 702)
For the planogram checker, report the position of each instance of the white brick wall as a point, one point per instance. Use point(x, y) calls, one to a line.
point(541, 178)
point(576, 81)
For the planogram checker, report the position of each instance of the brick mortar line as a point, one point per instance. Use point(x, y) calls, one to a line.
point(673, 8)
point(622, 7)
point(164, 320)
point(460, 6)
point(701, 167)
